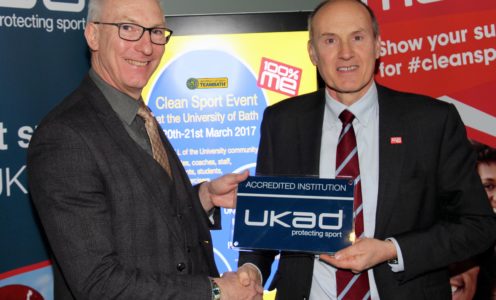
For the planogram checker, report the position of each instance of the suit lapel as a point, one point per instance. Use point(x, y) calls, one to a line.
point(310, 134)
point(148, 170)
point(391, 156)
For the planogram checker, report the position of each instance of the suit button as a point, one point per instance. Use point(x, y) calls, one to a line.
point(181, 266)
point(180, 216)
point(188, 249)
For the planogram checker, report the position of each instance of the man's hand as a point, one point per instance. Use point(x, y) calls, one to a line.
point(463, 279)
point(464, 285)
point(221, 191)
point(248, 273)
point(362, 255)
point(231, 288)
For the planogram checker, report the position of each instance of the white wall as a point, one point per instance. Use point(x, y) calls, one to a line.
point(192, 7)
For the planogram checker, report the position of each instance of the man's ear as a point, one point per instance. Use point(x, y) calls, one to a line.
point(378, 47)
point(311, 52)
point(91, 34)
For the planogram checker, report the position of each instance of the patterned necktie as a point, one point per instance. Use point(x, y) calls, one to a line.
point(351, 286)
point(151, 126)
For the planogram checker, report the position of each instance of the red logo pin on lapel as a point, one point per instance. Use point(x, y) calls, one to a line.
point(396, 140)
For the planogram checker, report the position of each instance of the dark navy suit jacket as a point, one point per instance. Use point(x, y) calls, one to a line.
point(430, 198)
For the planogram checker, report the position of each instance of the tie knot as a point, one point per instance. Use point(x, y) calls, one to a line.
point(346, 117)
point(143, 111)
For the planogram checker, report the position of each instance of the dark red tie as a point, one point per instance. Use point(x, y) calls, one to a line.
point(351, 286)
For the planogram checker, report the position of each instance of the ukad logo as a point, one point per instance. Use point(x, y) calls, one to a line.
point(300, 220)
point(294, 214)
point(279, 77)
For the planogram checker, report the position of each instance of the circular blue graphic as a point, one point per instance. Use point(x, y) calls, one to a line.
point(210, 107)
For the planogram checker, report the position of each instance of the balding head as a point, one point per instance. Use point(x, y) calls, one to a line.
point(375, 24)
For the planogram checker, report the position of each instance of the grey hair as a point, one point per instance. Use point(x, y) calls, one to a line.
point(95, 9)
point(375, 24)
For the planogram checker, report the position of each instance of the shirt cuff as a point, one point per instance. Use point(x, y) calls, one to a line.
point(211, 214)
point(396, 265)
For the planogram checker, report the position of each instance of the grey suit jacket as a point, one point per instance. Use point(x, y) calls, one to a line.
point(430, 197)
point(118, 227)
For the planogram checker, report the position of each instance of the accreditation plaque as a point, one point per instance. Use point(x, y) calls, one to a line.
point(294, 214)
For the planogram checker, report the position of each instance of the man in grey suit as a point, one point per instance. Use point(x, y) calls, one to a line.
point(423, 203)
point(119, 224)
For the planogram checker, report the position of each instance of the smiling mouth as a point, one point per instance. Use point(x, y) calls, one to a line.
point(347, 69)
point(137, 63)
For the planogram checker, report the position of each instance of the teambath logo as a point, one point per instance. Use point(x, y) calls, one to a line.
point(207, 83)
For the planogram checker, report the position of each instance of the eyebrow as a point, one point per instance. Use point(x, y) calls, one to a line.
point(331, 34)
point(327, 34)
point(360, 30)
point(134, 21)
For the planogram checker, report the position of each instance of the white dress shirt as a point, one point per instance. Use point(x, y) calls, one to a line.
point(366, 126)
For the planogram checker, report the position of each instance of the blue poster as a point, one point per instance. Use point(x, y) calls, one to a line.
point(43, 56)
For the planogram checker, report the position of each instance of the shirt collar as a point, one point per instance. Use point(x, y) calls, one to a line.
point(362, 109)
point(125, 106)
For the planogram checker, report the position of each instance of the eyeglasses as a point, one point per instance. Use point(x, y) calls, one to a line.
point(134, 32)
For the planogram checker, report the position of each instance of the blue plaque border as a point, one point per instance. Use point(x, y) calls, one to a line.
point(303, 214)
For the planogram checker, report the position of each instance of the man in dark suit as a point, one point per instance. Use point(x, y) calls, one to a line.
point(423, 205)
point(119, 212)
